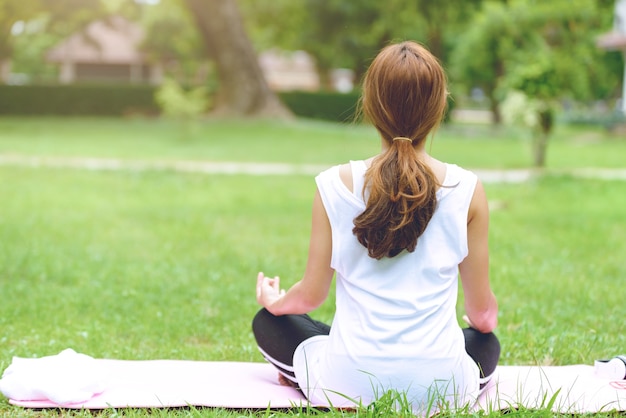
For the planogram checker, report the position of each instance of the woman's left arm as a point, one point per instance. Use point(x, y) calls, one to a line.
point(312, 289)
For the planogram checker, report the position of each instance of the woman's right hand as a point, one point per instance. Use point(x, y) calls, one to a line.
point(268, 290)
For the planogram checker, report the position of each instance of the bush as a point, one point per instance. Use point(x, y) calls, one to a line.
point(179, 103)
point(338, 107)
point(70, 100)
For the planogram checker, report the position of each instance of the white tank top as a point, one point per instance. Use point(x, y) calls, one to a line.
point(395, 323)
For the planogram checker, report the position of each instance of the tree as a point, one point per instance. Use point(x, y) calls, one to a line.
point(173, 40)
point(12, 11)
point(56, 18)
point(242, 89)
point(337, 33)
point(560, 61)
point(544, 50)
point(533, 90)
point(481, 54)
point(348, 34)
point(444, 21)
point(275, 23)
point(356, 31)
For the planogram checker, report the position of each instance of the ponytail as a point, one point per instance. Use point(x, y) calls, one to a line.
point(402, 200)
point(404, 93)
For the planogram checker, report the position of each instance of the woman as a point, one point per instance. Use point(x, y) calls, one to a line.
point(397, 229)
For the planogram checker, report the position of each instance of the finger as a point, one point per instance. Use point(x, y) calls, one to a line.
point(276, 283)
point(259, 285)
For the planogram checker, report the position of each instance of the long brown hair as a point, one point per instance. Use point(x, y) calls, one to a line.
point(404, 95)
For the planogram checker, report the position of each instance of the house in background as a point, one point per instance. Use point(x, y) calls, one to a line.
point(109, 51)
point(286, 71)
point(105, 51)
point(296, 70)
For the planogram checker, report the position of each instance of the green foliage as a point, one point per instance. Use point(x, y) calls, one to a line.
point(537, 78)
point(479, 56)
point(568, 51)
point(519, 109)
point(545, 49)
point(533, 113)
point(275, 23)
point(172, 38)
point(67, 16)
point(338, 107)
point(61, 17)
point(101, 100)
point(177, 103)
point(342, 34)
point(29, 48)
point(12, 11)
point(185, 106)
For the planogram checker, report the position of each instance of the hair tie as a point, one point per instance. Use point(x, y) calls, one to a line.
point(402, 138)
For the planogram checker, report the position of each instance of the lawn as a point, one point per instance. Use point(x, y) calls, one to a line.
point(297, 142)
point(161, 264)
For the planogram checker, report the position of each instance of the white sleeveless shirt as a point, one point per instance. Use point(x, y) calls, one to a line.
point(395, 323)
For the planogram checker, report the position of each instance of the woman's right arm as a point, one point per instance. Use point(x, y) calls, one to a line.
point(481, 305)
point(313, 288)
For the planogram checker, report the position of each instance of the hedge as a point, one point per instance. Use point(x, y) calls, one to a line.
point(120, 100)
point(338, 107)
point(92, 100)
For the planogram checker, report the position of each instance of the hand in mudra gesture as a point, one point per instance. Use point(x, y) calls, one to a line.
point(268, 290)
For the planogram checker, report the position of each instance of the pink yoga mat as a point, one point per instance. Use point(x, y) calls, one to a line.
point(567, 389)
point(175, 383)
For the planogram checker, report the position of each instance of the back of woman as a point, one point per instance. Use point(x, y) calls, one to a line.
point(397, 230)
point(395, 323)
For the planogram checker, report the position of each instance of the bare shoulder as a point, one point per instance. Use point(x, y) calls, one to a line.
point(345, 174)
point(438, 167)
point(478, 205)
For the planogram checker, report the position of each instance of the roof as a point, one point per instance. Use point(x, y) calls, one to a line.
point(114, 40)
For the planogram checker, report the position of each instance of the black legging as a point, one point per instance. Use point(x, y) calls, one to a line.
point(279, 336)
point(484, 349)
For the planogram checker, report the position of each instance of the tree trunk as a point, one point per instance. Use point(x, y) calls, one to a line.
point(546, 122)
point(494, 107)
point(435, 42)
point(243, 90)
point(541, 143)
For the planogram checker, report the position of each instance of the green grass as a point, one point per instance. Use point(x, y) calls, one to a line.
point(297, 142)
point(160, 264)
point(556, 250)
